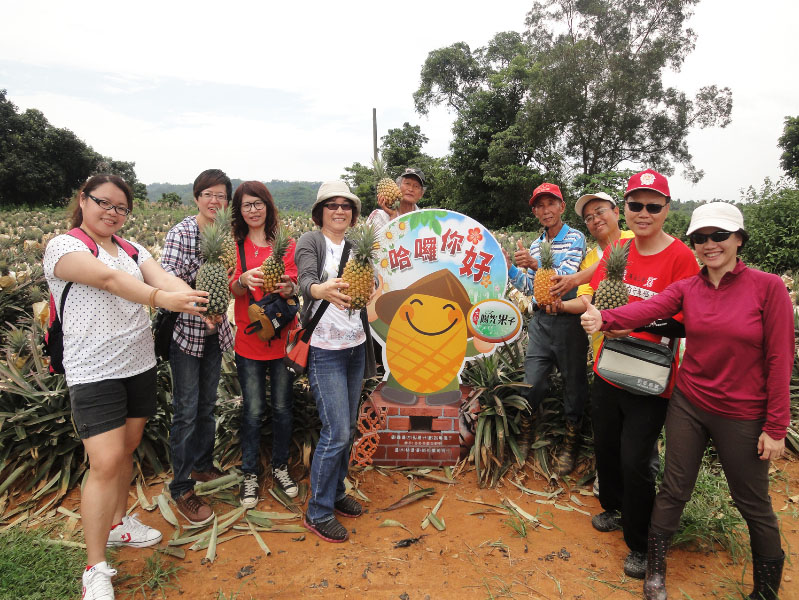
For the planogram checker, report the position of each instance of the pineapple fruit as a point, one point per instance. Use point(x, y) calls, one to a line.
point(543, 276)
point(223, 218)
point(212, 276)
point(273, 268)
point(611, 291)
point(358, 272)
point(386, 187)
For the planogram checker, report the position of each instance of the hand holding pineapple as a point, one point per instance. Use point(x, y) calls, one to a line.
point(331, 290)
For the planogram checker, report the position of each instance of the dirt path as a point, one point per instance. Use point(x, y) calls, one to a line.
point(476, 556)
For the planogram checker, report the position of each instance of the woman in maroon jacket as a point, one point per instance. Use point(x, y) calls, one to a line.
point(732, 387)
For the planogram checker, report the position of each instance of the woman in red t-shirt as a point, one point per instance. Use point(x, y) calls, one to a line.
point(255, 222)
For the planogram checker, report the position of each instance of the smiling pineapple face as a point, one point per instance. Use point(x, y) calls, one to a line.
point(426, 343)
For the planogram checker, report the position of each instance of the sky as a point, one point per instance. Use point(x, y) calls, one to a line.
point(286, 92)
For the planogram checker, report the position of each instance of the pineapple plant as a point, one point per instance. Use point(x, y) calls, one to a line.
point(386, 187)
point(273, 268)
point(228, 244)
point(358, 272)
point(543, 276)
point(212, 276)
point(611, 291)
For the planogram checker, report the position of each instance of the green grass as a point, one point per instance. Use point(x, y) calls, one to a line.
point(33, 569)
point(155, 580)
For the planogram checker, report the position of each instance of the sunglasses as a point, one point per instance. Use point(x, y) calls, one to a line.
point(652, 209)
point(334, 206)
point(716, 236)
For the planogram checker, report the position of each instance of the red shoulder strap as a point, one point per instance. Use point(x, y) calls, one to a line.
point(129, 248)
point(78, 233)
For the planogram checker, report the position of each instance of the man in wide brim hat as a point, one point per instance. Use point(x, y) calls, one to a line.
point(442, 284)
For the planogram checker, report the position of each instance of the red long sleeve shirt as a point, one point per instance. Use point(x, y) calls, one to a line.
point(739, 342)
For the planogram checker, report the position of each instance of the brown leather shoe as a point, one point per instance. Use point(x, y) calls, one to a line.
point(207, 475)
point(194, 508)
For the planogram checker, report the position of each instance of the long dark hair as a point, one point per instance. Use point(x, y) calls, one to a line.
point(258, 190)
point(92, 183)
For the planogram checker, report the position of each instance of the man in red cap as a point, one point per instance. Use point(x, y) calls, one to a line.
point(553, 339)
point(627, 425)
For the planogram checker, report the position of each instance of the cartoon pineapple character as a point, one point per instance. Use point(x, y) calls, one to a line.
point(358, 272)
point(427, 338)
point(212, 276)
point(386, 187)
point(543, 276)
point(611, 291)
point(273, 268)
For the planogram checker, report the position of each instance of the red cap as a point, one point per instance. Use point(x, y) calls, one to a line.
point(648, 180)
point(546, 188)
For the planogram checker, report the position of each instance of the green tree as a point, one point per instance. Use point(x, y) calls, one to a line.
point(579, 92)
point(770, 219)
point(789, 143)
point(402, 148)
point(44, 165)
point(170, 199)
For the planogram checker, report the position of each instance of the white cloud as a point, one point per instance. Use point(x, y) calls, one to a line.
point(286, 91)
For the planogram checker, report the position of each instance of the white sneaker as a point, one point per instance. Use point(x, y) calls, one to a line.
point(133, 532)
point(284, 481)
point(97, 582)
point(248, 496)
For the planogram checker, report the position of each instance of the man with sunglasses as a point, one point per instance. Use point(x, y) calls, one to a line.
point(555, 339)
point(627, 425)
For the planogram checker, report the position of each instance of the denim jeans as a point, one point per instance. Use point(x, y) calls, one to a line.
point(252, 377)
point(336, 378)
point(191, 439)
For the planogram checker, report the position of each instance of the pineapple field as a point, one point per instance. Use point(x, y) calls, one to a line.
point(42, 462)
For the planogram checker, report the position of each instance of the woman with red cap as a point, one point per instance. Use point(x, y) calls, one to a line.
point(737, 397)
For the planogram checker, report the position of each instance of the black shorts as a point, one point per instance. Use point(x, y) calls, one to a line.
point(101, 406)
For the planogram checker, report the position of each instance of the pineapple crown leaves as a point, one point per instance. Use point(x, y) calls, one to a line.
point(364, 243)
point(281, 242)
point(616, 262)
point(379, 166)
point(223, 217)
point(547, 261)
point(212, 240)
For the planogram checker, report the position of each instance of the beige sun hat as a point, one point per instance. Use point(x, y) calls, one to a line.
point(583, 200)
point(723, 215)
point(334, 189)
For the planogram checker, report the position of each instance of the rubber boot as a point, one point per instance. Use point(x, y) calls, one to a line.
point(526, 433)
point(655, 582)
point(767, 574)
point(567, 453)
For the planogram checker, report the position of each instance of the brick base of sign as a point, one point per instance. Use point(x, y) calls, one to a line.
point(417, 435)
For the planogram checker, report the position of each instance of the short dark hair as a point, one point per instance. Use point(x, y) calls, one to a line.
point(316, 213)
point(258, 190)
point(92, 183)
point(210, 178)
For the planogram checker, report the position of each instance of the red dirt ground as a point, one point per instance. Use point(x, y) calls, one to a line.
point(476, 556)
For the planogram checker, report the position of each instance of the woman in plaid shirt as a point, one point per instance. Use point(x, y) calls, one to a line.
point(195, 356)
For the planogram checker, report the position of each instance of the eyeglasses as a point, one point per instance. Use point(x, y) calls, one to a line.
point(652, 209)
point(597, 213)
point(249, 206)
point(716, 236)
point(209, 195)
point(334, 206)
point(122, 211)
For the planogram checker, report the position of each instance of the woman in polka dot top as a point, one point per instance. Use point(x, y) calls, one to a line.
point(109, 359)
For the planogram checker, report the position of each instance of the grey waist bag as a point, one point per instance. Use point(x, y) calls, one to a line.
point(638, 366)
